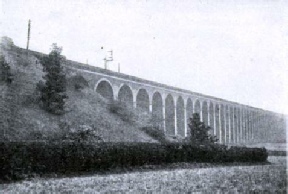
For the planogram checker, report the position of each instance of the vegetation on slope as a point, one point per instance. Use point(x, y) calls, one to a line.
point(21, 117)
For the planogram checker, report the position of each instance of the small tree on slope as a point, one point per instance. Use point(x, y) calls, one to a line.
point(5, 70)
point(200, 132)
point(53, 93)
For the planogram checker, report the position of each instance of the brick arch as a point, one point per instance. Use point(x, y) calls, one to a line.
point(142, 100)
point(170, 115)
point(239, 127)
point(212, 118)
point(180, 116)
point(189, 108)
point(104, 88)
point(222, 128)
point(125, 95)
point(205, 112)
point(197, 106)
point(157, 109)
point(217, 120)
point(227, 127)
point(231, 125)
point(235, 125)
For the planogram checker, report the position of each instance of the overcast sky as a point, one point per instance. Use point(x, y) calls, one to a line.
point(235, 50)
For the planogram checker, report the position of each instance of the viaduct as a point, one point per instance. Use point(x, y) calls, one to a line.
point(231, 122)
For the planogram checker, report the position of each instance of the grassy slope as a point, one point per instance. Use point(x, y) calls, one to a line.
point(21, 117)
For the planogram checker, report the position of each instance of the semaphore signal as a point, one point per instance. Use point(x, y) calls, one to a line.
point(109, 59)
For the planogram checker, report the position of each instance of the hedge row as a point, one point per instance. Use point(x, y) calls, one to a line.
point(19, 159)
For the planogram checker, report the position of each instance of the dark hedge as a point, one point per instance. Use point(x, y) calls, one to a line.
point(19, 159)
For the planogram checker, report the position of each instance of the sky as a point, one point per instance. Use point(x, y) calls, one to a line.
point(235, 50)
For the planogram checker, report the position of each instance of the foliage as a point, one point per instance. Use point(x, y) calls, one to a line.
point(84, 133)
point(200, 132)
point(20, 158)
point(76, 134)
point(53, 94)
point(79, 82)
point(5, 70)
point(155, 133)
point(6, 42)
point(123, 111)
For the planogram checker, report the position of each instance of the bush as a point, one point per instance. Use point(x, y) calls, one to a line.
point(124, 112)
point(6, 42)
point(200, 132)
point(155, 133)
point(79, 82)
point(79, 134)
point(5, 71)
point(19, 159)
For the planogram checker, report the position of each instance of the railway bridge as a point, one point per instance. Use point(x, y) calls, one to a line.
point(231, 122)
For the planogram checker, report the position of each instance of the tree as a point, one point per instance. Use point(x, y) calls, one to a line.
point(5, 70)
point(200, 132)
point(53, 93)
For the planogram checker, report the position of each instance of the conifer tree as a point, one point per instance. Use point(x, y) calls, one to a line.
point(53, 93)
point(199, 131)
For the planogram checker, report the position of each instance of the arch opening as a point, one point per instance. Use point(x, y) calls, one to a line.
point(211, 113)
point(223, 124)
point(217, 117)
point(170, 115)
point(235, 131)
point(125, 96)
point(189, 108)
point(104, 88)
point(197, 108)
point(180, 116)
point(142, 100)
point(226, 139)
point(157, 110)
point(205, 113)
point(231, 125)
point(239, 124)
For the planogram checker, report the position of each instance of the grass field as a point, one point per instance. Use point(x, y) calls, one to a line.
point(218, 179)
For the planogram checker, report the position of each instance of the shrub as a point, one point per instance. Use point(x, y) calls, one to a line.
point(200, 132)
point(19, 159)
point(6, 42)
point(5, 70)
point(81, 134)
point(79, 82)
point(84, 133)
point(155, 133)
point(123, 111)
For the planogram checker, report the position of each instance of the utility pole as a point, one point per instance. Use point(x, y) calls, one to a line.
point(118, 67)
point(28, 38)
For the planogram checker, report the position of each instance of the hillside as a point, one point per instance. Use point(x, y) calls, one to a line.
point(21, 117)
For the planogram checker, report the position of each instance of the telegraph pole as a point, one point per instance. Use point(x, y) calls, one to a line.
point(28, 38)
